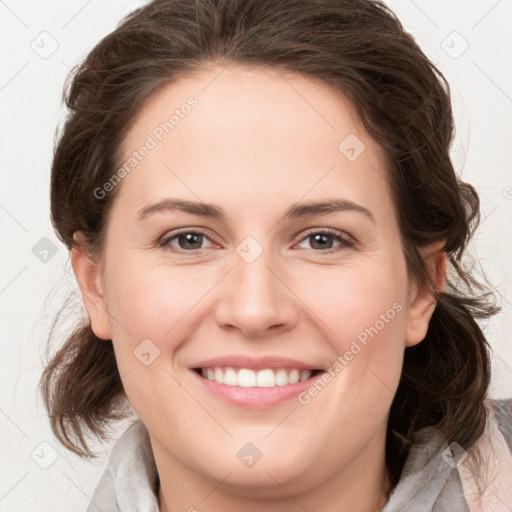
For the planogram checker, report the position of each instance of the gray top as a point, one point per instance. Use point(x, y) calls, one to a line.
point(434, 478)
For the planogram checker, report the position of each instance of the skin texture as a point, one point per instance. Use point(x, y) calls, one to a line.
point(258, 142)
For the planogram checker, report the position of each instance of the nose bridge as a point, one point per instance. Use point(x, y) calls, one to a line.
point(254, 299)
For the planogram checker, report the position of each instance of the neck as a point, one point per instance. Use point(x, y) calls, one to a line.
point(362, 486)
point(373, 503)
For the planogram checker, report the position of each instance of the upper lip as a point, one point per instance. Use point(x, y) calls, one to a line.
point(255, 363)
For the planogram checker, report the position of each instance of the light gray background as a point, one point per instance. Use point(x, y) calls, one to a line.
point(31, 290)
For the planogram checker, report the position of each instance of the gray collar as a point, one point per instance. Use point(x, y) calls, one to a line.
point(129, 484)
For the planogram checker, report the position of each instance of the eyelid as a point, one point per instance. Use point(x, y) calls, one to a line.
point(165, 239)
point(345, 239)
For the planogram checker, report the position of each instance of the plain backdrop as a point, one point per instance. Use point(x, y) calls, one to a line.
point(470, 41)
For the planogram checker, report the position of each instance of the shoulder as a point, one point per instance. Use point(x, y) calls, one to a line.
point(502, 411)
point(488, 486)
point(437, 477)
point(130, 479)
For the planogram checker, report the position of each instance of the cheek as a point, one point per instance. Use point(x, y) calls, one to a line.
point(149, 319)
point(356, 303)
point(149, 301)
point(362, 313)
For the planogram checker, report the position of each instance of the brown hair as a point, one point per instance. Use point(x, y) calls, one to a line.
point(359, 48)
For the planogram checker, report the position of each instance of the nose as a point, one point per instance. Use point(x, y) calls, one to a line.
point(256, 299)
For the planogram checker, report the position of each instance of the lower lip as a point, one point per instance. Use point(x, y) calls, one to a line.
point(255, 398)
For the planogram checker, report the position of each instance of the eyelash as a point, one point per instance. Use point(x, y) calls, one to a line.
point(345, 241)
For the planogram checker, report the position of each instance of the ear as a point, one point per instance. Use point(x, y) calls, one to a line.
point(422, 303)
point(88, 274)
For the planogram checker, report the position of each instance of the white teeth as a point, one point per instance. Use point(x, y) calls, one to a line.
point(230, 377)
point(294, 377)
point(219, 375)
point(265, 379)
point(304, 375)
point(281, 378)
point(247, 378)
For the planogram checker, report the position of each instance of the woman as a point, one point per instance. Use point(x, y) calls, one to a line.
point(268, 235)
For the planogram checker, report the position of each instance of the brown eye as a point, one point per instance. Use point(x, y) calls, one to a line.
point(324, 240)
point(184, 241)
point(190, 241)
point(321, 241)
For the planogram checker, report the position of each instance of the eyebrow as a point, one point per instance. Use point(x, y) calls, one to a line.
point(216, 212)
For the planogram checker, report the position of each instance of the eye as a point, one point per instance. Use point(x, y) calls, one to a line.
point(184, 241)
point(322, 240)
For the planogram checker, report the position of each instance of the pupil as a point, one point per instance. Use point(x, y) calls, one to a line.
point(322, 240)
point(189, 240)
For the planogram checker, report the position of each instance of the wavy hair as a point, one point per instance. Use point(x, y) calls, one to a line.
point(357, 47)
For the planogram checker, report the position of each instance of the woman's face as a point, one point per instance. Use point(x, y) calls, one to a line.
point(251, 282)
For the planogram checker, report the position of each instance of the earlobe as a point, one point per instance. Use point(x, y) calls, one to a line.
point(423, 303)
point(88, 275)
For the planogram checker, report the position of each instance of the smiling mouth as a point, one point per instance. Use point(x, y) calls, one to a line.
point(248, 378)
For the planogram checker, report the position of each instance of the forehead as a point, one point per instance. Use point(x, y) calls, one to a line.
point(242, 101)
point(236, 131)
